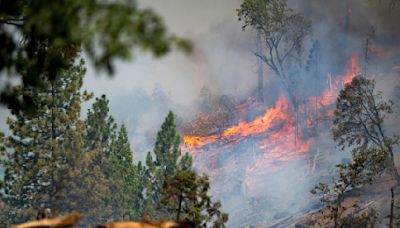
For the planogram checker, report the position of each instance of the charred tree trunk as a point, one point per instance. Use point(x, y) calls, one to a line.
point(370, 36)
point(260, 88)
point(391, 216)
point(178, 214)
point(366, 57)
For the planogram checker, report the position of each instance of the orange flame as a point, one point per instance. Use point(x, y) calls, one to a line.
point(279, 147)
point(274, 131)
point(329, 96)
point(236, 133)
point(352, 69)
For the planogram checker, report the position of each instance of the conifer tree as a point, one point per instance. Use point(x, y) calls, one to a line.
point(100, 125)
point(123, 175)
point(167, 161)
point(185, 197)
point(166, 148)
point(46, 163)
point(142, 202)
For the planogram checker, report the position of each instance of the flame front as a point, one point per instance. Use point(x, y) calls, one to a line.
point(271, 118)
point(274, 137)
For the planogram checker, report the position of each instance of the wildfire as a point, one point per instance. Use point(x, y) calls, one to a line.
point(352, 69)
point(329, 96)
point(279, 147)
point(273, 135)
point(271, 118)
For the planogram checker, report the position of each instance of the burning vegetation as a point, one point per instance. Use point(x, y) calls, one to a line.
point(321, 122)
point(260, 138)
point(274, 135)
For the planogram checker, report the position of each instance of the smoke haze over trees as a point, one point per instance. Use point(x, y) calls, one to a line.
point(262, 156)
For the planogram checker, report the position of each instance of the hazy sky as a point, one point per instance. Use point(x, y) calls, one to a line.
point(222, 60)
point(222, 53)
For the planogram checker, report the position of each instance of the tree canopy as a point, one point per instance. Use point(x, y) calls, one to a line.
point(282, 31)
point(44, 37)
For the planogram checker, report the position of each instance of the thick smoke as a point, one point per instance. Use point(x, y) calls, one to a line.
point(143, 91)
point(222, 61)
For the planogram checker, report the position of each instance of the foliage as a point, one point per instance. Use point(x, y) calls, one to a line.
point(351, 176)
point(359, 118)
point(54, 159)
point(178, 193)
point(166, 148)
point(282, 31)
point(45, 163)
point(42, 37)
point(167, 161)
point(100, 125)
point(358, 125)
point(176, 189)
point(124, 178)
point(186, 195)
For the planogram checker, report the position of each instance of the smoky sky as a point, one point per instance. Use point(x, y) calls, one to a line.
point(222, 59)
point(143, 90)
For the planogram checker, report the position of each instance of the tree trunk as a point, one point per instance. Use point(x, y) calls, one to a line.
point(53, 95)
point(391, 209)
point(178, 215)
point(336, 217)
point(53, 136)
point(337, 211)
point(366, 57)
point(393, 164)
point(260, 69)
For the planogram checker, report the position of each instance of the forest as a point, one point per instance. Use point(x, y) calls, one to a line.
point(231, 113)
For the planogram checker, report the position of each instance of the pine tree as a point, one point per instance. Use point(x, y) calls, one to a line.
point(46, 163)
point(185, 197)
point(166, 163)
point(166, 148)
point(100, 125)
point(142, 202)
point(123, 175)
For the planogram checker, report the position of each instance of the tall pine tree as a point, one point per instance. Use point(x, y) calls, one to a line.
point(123, 175)
point(46, 163)
point(100, 125)
point(167, 162)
